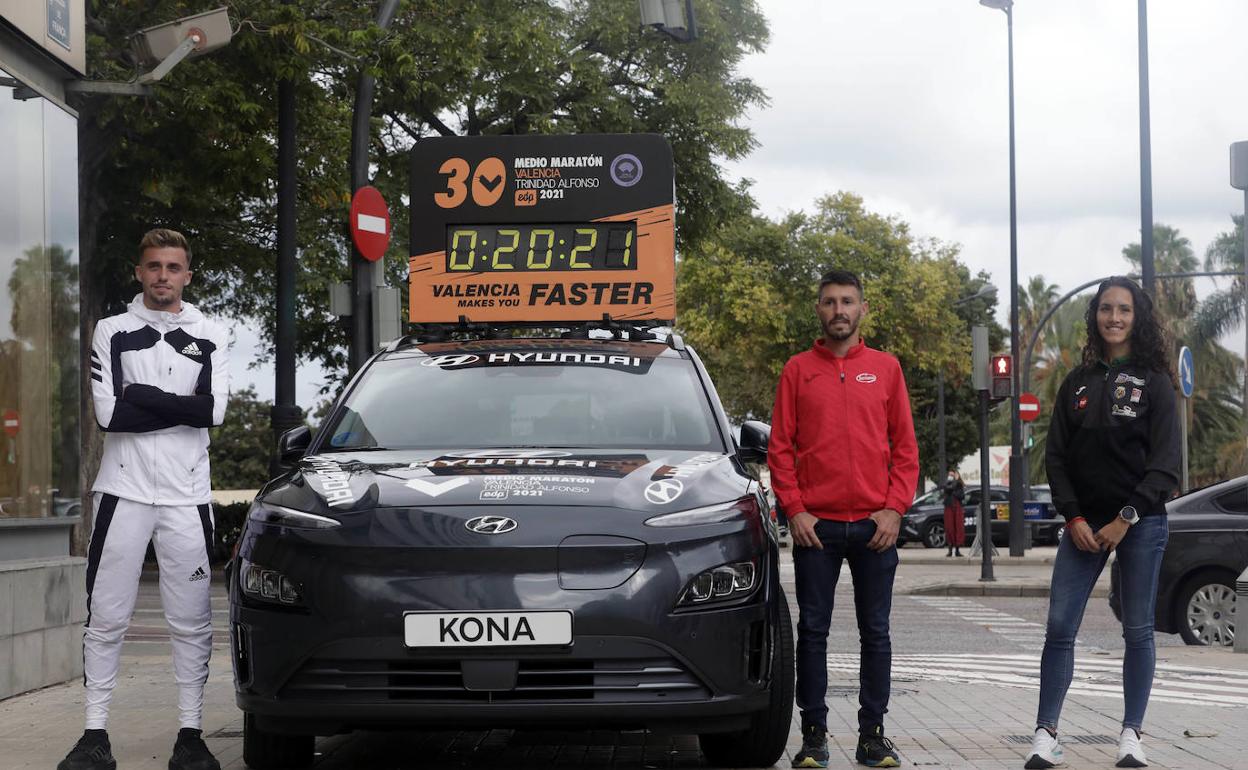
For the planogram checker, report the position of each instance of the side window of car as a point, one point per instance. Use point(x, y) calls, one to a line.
point(1233, 502)
point(972, 497)
point(999, 496)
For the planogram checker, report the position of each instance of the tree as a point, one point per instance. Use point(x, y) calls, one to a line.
point(1034, 300)
point(239, 452)
point(199, 154)
point(1216, 407)
point(1223, 310)
point(745, 300)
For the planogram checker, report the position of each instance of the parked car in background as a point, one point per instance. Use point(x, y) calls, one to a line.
point(1208, 550)
point(924, 522)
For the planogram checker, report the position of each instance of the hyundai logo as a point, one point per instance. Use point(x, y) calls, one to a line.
point(490, 525)
point(461, 359)
point(664, 491)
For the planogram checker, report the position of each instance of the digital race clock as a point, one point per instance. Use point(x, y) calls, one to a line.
point(542, 229)
point(584, 246)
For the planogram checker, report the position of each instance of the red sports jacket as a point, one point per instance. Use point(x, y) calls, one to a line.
point(842, 436)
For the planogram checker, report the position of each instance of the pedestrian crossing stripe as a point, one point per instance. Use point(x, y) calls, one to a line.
point(1191, 685)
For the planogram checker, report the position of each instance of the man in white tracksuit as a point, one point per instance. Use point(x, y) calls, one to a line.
point(159, 380)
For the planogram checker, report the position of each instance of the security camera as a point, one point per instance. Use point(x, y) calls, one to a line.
point(182, 38)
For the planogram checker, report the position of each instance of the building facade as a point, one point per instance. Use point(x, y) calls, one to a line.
point(42, 596)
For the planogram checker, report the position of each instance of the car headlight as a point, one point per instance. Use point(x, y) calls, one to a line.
point(269, 585)
point(726, 581)
point(736, 510)
point(282, 516)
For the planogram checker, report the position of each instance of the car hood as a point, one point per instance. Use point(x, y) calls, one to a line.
point(639, 480)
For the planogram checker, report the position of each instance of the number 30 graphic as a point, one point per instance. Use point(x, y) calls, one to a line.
point(488, 182)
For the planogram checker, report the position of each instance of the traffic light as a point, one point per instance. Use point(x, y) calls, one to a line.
point(1002, 369)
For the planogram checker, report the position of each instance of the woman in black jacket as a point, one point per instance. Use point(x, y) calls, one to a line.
point(1112, 458)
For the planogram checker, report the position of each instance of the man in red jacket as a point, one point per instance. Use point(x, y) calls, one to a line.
point(844, 463)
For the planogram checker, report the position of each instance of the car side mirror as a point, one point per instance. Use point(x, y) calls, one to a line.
point(293, 445)
point(754, 438)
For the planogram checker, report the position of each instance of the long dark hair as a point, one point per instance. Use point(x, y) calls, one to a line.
point(1148, 342)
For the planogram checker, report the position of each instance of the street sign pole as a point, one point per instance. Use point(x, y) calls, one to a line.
point(1187, 386)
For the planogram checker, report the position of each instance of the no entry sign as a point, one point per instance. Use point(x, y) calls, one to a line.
point(12, 422)
point(370, 223)
point(1028, 407)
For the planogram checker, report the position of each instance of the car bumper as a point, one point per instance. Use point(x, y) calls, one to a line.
point(340, 662)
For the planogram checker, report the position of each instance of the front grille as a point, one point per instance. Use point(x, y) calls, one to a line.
point(537, 680)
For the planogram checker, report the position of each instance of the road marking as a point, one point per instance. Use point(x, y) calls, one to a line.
point(1191, 685)
point(1024, 633)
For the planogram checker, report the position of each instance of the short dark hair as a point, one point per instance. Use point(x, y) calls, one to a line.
point(839, 278)
point(161, 238)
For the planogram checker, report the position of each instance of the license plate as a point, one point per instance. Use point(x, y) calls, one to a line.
point(970, 521)
point(487, 629)
point(1003, 512)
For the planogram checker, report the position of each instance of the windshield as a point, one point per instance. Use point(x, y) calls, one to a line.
point(404, 402)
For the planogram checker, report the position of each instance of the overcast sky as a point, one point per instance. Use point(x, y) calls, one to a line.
point(905, 103)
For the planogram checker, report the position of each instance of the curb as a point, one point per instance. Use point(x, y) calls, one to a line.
point(997, 588)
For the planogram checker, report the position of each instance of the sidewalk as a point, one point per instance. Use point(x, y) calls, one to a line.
point(939, 724)
point(927, 571)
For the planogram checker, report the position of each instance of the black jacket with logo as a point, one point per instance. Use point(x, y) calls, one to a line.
point(1113, 441)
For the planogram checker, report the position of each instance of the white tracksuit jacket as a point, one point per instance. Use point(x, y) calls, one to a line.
point(158, 381)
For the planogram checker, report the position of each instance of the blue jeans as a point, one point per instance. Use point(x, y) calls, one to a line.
point(816, 573)
point(1074, 574)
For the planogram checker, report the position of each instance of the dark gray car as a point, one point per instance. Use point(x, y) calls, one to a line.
point(525, 533)
point(1207, 551)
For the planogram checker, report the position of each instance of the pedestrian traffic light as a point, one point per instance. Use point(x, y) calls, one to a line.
point(1002, 368)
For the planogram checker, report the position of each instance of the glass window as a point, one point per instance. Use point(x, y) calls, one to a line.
point(39, 377)
point(401, 404)
point(1234, 502)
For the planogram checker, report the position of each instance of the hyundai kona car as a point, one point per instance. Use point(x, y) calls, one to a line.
point(516, 533)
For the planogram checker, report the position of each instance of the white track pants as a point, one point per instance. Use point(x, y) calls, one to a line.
point(182, 536)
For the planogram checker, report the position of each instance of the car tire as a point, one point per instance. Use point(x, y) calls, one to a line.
point(1204, 609)
point(263, 750)
point(763, 742)
point(934, 535)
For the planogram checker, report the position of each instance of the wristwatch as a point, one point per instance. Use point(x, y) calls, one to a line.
point(1129, 514)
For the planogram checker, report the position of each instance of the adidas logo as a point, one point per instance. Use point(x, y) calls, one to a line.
point(199, 574)
point(192, 350)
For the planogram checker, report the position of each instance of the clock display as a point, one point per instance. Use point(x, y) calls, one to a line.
point(541, 247)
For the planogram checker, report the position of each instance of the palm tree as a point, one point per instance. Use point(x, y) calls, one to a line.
point(1223, 310)
point(1216, 405)
point(1064, 337)
point(1034, 300)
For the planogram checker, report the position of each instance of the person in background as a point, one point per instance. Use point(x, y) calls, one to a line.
point(955, 516)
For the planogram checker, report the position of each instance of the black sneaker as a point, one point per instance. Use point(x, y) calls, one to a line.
point(874, 750)
point(91, 752)
point(814, 751)
point(190, 753)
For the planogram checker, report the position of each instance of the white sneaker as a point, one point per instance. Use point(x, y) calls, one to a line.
point(1130, 751)
point(1045, 751)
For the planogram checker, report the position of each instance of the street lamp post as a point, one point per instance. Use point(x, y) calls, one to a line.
point(1017, 530)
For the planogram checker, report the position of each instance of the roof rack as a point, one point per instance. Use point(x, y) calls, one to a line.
point(650, 330)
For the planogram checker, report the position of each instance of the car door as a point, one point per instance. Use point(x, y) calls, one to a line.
point(1233, 509)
